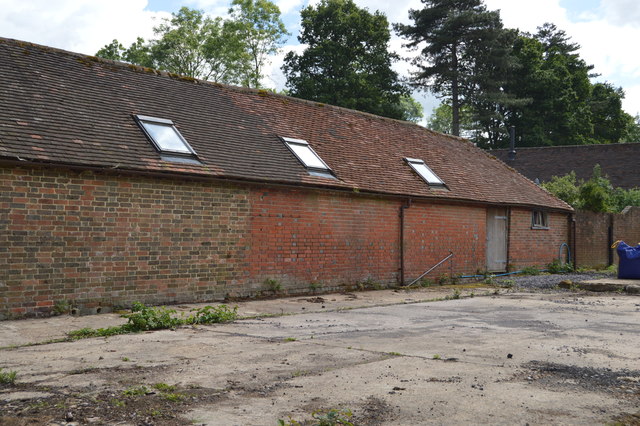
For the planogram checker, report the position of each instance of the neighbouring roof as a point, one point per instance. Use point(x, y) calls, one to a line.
point(618, 161)
point(64, 108)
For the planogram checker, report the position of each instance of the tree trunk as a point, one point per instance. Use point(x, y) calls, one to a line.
point(455, 101)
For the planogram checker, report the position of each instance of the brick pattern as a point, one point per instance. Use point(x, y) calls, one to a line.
point(592, 235)
point(434, 230)
point(102, 240)
point(299, 237)
point(113, 240)
point(535, 247)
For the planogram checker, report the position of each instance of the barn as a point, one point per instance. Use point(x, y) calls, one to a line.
point(119, 183)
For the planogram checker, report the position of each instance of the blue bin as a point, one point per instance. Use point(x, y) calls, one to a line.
point(629, 267)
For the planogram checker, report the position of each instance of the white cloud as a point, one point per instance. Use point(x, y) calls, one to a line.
point(621, 12)
point(80, 26)
point(631, 102)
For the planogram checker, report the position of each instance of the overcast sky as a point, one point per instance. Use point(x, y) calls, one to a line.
point(607, 30)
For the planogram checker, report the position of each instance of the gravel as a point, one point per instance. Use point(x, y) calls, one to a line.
point(544, 281)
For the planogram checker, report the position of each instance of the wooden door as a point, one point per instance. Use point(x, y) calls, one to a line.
point(496, 240)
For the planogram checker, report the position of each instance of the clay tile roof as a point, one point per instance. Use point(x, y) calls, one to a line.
point(69, 109)
point(618, 161)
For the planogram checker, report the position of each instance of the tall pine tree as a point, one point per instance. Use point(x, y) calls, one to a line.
point(462, 42)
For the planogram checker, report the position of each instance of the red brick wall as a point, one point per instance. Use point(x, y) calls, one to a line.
point(592, 238)
point(299, 237)
point(98, 240)
point(535, 247)
point(434, 230)
point(108, 240)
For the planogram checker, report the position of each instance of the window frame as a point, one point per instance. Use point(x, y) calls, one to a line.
point(141, 119)
point(413, 161)
point(539, 224)
point(313, 170)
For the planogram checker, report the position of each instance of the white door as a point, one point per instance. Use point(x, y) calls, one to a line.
point(496, 240)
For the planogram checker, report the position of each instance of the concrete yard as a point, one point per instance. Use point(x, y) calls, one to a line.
point(517, 358)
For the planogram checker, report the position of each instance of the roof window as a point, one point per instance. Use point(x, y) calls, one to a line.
point(308, 157)
point(425, 172)
point(166, 139)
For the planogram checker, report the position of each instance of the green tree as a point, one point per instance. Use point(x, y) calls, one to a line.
point(232, 51)
point(632, 129)
point(113, 51)
point(556, 81)
point(198, 46)
point(609, 121)
point(458, 39)
point(262, 31)
point(411, 109)
point(566, 187)
point(346, 61)
point(596, 194)
point(440, 120)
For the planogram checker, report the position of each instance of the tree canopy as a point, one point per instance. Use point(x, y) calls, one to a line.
point(459, 44)
point(596, 194)
point(346, 61)
point(232, 51)
point(535, 82)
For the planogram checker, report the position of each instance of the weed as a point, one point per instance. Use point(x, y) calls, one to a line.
point(333, 417)
point(85, 333)
point(426, 282)
point(472, 294)
point(163, 387)
point(530, 270)
point(299, 373)
point(456, 294)
point(84, 370)
point(155, 413)
point(290, 339)
point(125, 359)
point(61, 307)
point(394, 353)
point(8, 378)
point(39, 405)
point(443, 279)
point(273, 285)
point(455, 279)
point(436, 356)
point(136, 391)
point(143, 318)
point(507, 283)
point(489, 280)
point(116, 402)
point(211, 315)
point(174, 397)
point(611, 269)
point(315, 286)
point(556, 267)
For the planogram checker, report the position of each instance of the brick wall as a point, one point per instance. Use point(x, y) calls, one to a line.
point(592, 239)
point(535, 247)
point(97, 240)
point(434, 230)
point(108, 240)
point(592, 235)
point(299, 237)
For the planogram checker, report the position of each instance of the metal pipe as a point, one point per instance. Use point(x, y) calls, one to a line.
point(402, 209)
point(431, 269)
point(512, 143)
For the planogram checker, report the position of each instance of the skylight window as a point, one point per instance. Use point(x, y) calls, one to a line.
point(425, 172)
point(165, 137)
point(308, 157)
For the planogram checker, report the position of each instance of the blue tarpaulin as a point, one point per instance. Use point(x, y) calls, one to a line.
point(629, 267)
